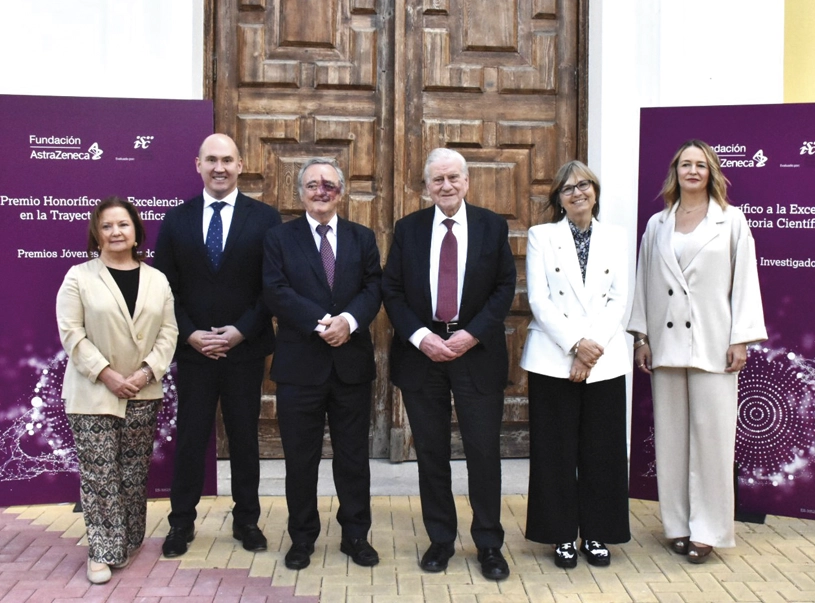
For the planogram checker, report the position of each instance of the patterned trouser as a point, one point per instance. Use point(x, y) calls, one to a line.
point(114, 457)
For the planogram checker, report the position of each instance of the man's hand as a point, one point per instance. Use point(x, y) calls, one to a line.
point(121, 387)
point(435, 348)
point(211, 344)
point(337, 330)
point(460, 342)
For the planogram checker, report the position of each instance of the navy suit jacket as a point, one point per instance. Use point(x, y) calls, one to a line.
point(296, 291)
point(232, 295)
point(488, 290)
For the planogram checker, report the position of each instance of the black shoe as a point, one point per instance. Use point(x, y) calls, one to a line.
point(566, 555)
point(436, 557)
point(360, 551)
point(493, 564)
point(596, 552)
point(250, 535)
point(177, 539)
point(299, 555)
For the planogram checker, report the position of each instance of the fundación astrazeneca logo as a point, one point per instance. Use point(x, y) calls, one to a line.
point(62, 148)
point(737, 155)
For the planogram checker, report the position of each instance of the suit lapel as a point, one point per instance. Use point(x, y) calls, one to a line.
point(664, 244)
point(194, 225)
point(568, 259)
point(241, 213)
point(421, 248)
point(345, 242)
point(475, 235)
point(107, 278)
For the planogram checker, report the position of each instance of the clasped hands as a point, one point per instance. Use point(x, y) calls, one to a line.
point(587, 354)
point(124, 388)
point(216, 342)
point(337, 330)
point(444, 350)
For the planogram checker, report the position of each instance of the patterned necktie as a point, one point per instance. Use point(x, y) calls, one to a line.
point(447, 301)
point(326, 253)
point(215, 235)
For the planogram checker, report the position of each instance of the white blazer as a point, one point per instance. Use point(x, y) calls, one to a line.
point(564, 309)
point(694, 308)
point(96, 330)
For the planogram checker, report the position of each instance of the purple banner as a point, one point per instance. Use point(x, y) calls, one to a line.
point(62, 155)
point(768, 154)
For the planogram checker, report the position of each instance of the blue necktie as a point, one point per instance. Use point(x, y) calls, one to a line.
point(215, 235)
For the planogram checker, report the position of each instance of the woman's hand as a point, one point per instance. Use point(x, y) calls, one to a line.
point(736, 357)
point(580, 370)
point(589, 351)
point(642, 358)
point(121, 387)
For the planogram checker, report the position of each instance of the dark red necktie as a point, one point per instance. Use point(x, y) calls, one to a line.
point(326, 253)
point(447, 299)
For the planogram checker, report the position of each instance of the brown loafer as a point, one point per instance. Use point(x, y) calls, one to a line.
point(680, 545)
point(698, 553)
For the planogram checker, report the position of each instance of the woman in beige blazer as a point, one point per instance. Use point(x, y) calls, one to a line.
point(117, 324)
point(697, 307)
point(577, 358)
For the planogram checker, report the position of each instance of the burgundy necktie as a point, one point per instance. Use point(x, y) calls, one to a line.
point(326, 253)
point(447, 301)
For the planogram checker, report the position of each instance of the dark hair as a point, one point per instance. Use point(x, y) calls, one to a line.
point(716, 182)
point(93, 227)
point(563, 174)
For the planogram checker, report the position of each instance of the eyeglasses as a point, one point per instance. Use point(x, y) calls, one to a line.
point(568, 190)
point(329, 187)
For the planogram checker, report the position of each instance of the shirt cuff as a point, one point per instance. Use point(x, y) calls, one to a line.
point(320, 328)
point(419, 335)
point(352, 322)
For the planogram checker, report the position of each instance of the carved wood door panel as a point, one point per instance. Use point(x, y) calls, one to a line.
point(377, 84)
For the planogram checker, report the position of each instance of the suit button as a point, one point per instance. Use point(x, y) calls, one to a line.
point(687, 324)
point(606, 270)
point(561, 292)
point(139, 336)
point(604, 294)
point(670, 291)
point(557, 269)
point(670, 325)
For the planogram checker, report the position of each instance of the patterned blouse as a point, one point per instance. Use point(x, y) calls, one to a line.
point(582, 239)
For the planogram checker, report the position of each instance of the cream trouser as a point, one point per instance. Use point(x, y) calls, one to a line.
point(695, 415)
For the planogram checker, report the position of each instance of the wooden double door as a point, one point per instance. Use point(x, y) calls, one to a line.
point(377, 84)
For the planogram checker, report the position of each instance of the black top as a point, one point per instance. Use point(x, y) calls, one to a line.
point(128, 281)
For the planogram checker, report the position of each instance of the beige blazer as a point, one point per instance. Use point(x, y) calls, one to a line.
point(694, 308)
point(564, 309)
point(96, 330)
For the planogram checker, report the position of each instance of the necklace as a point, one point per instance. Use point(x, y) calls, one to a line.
point(687, 211)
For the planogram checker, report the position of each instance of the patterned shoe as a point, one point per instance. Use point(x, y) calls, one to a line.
point(596, 552)
point(566, 555)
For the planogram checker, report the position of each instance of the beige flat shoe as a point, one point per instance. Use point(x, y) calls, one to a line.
point(98, 573)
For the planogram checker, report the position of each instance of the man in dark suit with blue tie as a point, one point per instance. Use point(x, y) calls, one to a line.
point(321, 279)
point(211, 249)
point(448, 286)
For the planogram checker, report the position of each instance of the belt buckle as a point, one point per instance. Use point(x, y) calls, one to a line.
point(454, 325)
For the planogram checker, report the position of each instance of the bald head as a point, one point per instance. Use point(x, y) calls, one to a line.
point(219, 164)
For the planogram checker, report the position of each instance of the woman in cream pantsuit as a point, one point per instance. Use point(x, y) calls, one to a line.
point(697, 307)
point(577, 358)
point(116, 321)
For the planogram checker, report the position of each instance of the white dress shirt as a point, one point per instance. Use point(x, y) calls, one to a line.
point(331, 235)
point(436, 237)
point(226, 213)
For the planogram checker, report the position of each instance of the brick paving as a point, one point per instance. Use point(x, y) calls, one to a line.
point(43, 554)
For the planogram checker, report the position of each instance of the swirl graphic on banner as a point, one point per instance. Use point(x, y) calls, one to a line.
point(775, 438)
point(39, 440)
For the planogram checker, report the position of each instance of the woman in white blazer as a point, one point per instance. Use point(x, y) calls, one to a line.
point(117, 324)
point(577, 358)
point(697, 306)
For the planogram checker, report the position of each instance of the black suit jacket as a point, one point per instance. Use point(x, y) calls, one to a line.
point(488, 290)
point(232, 295)
point(297, 292)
